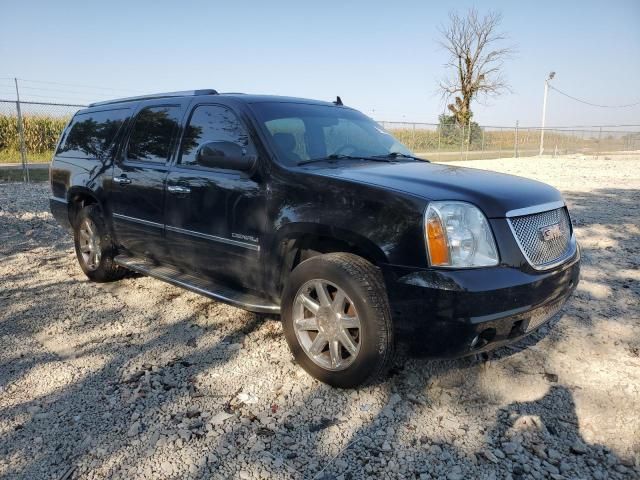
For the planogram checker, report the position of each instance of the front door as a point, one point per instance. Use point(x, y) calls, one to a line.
point(139, 176)
point(215, 216)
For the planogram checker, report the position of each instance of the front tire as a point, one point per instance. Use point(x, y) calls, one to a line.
point(94, 247)
point(337, 321)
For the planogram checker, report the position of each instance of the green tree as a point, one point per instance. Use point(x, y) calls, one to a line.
point(452, 133)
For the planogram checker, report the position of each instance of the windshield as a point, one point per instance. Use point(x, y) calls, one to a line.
point(302, 132)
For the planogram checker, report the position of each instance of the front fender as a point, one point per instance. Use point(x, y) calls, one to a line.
point(298, 230)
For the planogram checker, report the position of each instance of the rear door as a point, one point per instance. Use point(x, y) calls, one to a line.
point(139, 176)
point(215, 216)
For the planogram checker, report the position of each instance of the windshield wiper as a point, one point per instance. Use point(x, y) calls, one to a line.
point(400, 155)
point(334, 157)
point(329, 158)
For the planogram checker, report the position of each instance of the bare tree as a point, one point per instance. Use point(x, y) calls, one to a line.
point(476, 58)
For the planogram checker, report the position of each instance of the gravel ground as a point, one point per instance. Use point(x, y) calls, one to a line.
point(138, 379)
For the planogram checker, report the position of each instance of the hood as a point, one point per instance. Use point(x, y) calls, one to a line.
point(495, 193)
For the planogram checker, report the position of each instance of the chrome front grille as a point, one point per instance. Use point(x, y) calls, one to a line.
point(544, 237)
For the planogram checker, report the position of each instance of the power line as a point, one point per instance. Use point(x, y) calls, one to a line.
point(75, 85)
point(63, 90)
point(33, 95)
point(28, 102)
point(592, 104)
point(71, 93)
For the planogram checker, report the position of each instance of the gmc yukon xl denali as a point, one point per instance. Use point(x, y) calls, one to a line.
point(311, 211)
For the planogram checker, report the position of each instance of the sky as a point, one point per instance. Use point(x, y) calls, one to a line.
point(382, 58)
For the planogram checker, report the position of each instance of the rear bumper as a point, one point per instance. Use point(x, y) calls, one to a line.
point(60, 211)
point(446, 314)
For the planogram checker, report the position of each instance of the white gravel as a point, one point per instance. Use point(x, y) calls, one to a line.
point(138, 379)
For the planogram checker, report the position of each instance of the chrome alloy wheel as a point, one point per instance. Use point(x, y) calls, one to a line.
point(90, 244)
point(326, 325)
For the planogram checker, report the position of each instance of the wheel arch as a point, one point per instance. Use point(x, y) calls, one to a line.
point(79, 197)
point(296, 242)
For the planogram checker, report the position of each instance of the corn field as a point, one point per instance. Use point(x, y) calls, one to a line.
point(40, 133)
point(42, 126)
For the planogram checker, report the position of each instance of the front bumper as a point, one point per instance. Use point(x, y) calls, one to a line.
point(445, 314)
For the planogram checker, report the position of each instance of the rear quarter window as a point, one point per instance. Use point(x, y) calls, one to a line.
point(91, 134)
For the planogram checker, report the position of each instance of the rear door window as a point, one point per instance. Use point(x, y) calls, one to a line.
point(92, 134)
point(152, 134)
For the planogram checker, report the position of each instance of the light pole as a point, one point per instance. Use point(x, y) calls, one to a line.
point(544, 109)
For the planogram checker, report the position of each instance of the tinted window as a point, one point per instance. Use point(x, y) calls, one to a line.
point(91, 134)
point(212, 123)
point(152, 133)
point(305, 131)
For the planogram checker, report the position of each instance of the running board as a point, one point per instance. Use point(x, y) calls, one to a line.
point(237, 298)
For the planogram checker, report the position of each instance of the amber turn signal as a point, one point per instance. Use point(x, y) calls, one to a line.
point(438, 250)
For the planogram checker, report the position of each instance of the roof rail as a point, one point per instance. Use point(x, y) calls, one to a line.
point(186, 93)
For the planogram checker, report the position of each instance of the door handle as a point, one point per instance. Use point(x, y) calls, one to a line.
point(122, 180)
point(178, 189)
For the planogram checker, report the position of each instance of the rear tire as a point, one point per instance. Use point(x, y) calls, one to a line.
point(94, 248)
point(337, 321)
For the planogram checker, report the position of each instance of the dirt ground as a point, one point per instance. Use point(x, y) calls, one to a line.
point(138, 379)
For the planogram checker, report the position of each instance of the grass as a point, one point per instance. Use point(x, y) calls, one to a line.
point(13, 156)
point(15, 175)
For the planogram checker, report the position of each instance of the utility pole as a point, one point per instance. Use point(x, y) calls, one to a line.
point(468, 139)
point(544, 110)
point(461, 141)
point(23, 149)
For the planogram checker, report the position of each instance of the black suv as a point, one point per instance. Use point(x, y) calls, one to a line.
point(311, 210)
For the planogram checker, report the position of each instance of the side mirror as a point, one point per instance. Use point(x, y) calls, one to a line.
point(227, 155)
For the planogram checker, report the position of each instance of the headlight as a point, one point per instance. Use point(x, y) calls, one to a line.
point(458, 235)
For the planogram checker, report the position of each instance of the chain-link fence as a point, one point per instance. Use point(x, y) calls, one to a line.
point(452, 142)
point(29, 132)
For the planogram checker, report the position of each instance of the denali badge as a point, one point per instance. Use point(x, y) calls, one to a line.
point(550, 232)
point(244, 237)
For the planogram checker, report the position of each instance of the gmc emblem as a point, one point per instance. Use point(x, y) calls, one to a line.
point(550, 232)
